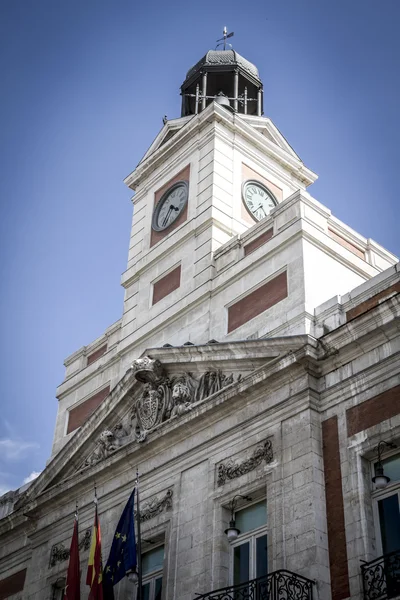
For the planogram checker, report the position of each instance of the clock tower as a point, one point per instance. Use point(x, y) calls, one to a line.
point(226, 244)
point(212, 175)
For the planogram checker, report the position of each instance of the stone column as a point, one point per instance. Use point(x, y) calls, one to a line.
point(235, 90)
point(259, 102)
point(204, 91)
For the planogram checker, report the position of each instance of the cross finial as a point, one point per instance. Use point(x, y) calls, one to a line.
point(222, 40)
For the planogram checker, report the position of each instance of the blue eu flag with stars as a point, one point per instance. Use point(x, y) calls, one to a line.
point(122, 558)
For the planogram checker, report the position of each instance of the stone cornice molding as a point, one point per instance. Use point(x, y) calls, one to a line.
point(310, 353)
point(67, 455)
point(171, 125)
point(97, 343)
point(83, 482)
point(77, 442)
point(341, 254)
point(274, 132)
point(276, 372)
point(376, 376)
point(369, 288)
point(370, 322)
point(215, 113)
point(78, 378)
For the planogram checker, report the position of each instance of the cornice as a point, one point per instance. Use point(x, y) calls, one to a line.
point(385, 312)
point(155, 177)
point(366, 272)
point(233, 122)
point(97, 343)
point(271, 371)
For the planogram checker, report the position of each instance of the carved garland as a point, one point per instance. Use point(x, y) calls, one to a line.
point(231, 469)
point(59, 552)
point(154, 507)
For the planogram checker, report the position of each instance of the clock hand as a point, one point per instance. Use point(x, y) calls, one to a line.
point(262, 208)
point(167, 215)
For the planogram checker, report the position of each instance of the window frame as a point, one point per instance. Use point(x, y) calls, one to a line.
point(393, 488)
point(251, 537)
point(152, 576)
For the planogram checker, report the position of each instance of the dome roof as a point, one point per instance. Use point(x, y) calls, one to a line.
point(224, 58)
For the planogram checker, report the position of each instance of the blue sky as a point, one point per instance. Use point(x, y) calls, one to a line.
point(85, 85)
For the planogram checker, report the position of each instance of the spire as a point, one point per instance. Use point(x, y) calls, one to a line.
point(222, 40)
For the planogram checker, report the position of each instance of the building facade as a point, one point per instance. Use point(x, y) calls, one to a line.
point(252, 377)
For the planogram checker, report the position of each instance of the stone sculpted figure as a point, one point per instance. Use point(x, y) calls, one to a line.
point(103, 448)
point(181, 398)
point(161, 398)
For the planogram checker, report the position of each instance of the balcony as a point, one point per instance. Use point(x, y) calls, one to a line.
point(279, 585)
point(381, 577)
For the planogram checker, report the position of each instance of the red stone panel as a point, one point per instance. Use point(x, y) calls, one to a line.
point(167, 284)
point(372, 302)
point(96, 354)
point(335, 511)
point(373, 411)
point(346, 244)
point(156, 236)
point(12, 584)
point(257, 302)
point(259, 241)
point(80, 414)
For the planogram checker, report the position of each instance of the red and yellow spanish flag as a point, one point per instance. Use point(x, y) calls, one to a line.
point(94, 577)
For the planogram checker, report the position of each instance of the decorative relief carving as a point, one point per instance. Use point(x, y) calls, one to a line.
point(154, 507)
point(59, 552)
point(162, 398)
point(232, 469)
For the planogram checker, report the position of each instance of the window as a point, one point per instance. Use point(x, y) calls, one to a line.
point(152, 566)
point(387, 513)
point(250, 550)
point(58, 589)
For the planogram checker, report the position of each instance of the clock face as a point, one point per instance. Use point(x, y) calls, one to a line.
point(170, 206)
point(258, 200)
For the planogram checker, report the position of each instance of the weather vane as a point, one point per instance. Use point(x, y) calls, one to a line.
point(223, 39)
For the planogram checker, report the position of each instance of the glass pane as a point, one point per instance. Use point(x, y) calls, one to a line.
point(241, 563)
point(153, 560)
point(389, 520)
point(391, 467)
point(158, 589)
point(262, 556)
point(251, 517)
point(146, 591)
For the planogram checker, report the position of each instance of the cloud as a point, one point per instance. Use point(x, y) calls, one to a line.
point(14, 450)
point(31, 477)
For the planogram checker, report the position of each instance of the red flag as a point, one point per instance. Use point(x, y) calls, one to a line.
point(73, 585)
point(94, 577)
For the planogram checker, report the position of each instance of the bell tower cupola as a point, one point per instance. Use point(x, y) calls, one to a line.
point(223, 76)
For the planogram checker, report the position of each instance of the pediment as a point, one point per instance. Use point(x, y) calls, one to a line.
point(267, 128)
point(160, 388)
point(169, 129)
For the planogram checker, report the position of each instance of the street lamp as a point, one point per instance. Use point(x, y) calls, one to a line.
point(133, 576)
point(381, 480)
point(232, 532)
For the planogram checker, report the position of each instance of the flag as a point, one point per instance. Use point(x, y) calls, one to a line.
point(122, 559)
point(94, 577)
point(72, 589)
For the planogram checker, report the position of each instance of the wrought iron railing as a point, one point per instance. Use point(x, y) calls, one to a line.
point(279, 585)
point(381, 577)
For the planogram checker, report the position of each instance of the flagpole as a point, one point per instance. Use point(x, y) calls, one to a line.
point(139, 541)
